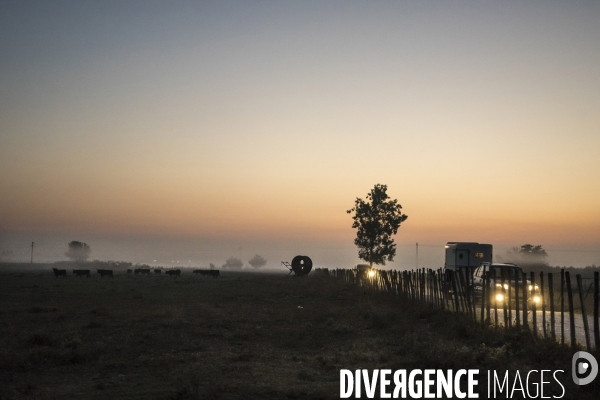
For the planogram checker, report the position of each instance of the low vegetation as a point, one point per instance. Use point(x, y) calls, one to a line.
point(240, 336)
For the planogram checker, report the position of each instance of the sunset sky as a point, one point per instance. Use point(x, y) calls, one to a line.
point(195, 131)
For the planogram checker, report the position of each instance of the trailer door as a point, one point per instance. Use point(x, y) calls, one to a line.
point(462, 258)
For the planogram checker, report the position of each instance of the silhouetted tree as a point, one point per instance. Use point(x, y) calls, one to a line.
point(532, 256)
point(233, 263)
point(527, 256)
point(532, 251)
point(78, 251)
point(257, 261)
point(376, 219)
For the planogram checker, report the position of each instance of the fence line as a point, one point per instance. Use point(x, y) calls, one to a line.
point(455, 291)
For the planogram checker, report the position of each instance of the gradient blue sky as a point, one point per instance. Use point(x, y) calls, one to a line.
point(202, 130)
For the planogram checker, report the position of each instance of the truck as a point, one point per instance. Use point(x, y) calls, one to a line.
point(504, 280)
point(466, 255)
point(474, 260)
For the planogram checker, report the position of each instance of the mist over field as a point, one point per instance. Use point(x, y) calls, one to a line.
point(201, 252)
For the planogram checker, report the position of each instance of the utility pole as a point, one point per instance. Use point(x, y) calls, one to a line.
point(417, 255)
point(32, 243)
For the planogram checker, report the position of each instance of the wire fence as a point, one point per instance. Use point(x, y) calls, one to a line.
point(549, 306)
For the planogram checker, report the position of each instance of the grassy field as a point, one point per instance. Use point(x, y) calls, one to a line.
point(241, 336)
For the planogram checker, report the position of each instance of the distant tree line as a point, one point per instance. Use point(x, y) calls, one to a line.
point(534, 259)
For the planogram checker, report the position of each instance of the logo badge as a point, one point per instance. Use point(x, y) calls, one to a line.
point(584, 368)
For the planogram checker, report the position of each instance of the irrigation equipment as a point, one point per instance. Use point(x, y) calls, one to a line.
point(300, 265)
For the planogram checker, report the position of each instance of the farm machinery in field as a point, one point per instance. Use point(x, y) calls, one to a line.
point(300, 265)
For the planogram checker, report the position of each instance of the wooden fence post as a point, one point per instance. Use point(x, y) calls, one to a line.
point(415, 284)
point(429, 281)
point(436, 288)
point(517, 315)
point(562, 306)
point(543, 304)
point(483, 302)
point(388, 280)
point(571, 312)
point(586, 328)
point(472, 289)
point(445, 288)
point(423, 285)
point(504, 294)
point(494, 299)
point(458, 294)
point(459, 288)
point(436, 299)
point(509, 294)
point(551, 293)
point(454, 291)
point(464, 291)
point(533, 305)
point(596, 323)
point(525, 322)
point(488, 292)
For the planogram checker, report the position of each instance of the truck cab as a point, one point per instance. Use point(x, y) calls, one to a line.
point(502, 281)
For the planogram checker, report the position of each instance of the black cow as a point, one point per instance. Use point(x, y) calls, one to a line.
point(81, 272)
point(105, 272)
point(157, 271)
point(173, 272)
point(142, 271)
point(209, 272)
point(59, 272)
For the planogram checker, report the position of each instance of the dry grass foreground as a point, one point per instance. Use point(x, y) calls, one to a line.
point(241, 336)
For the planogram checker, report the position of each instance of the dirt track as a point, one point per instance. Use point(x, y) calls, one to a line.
point(579, 325)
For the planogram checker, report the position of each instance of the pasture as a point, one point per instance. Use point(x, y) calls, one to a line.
point(239, 336)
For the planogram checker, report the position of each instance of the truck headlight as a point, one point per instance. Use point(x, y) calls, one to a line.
point(499, 297)
point(499, 285)
point(537, 299)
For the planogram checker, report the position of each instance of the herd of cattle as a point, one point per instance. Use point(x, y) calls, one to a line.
point(144, 271)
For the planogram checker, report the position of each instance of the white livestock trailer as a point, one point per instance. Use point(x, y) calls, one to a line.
point(466, 255)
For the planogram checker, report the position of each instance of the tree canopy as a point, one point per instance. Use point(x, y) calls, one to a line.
point(527, 255)
point(257, 261)
point(233, 263)
point(376, 220)
point(529, 250)
point(78, 251)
